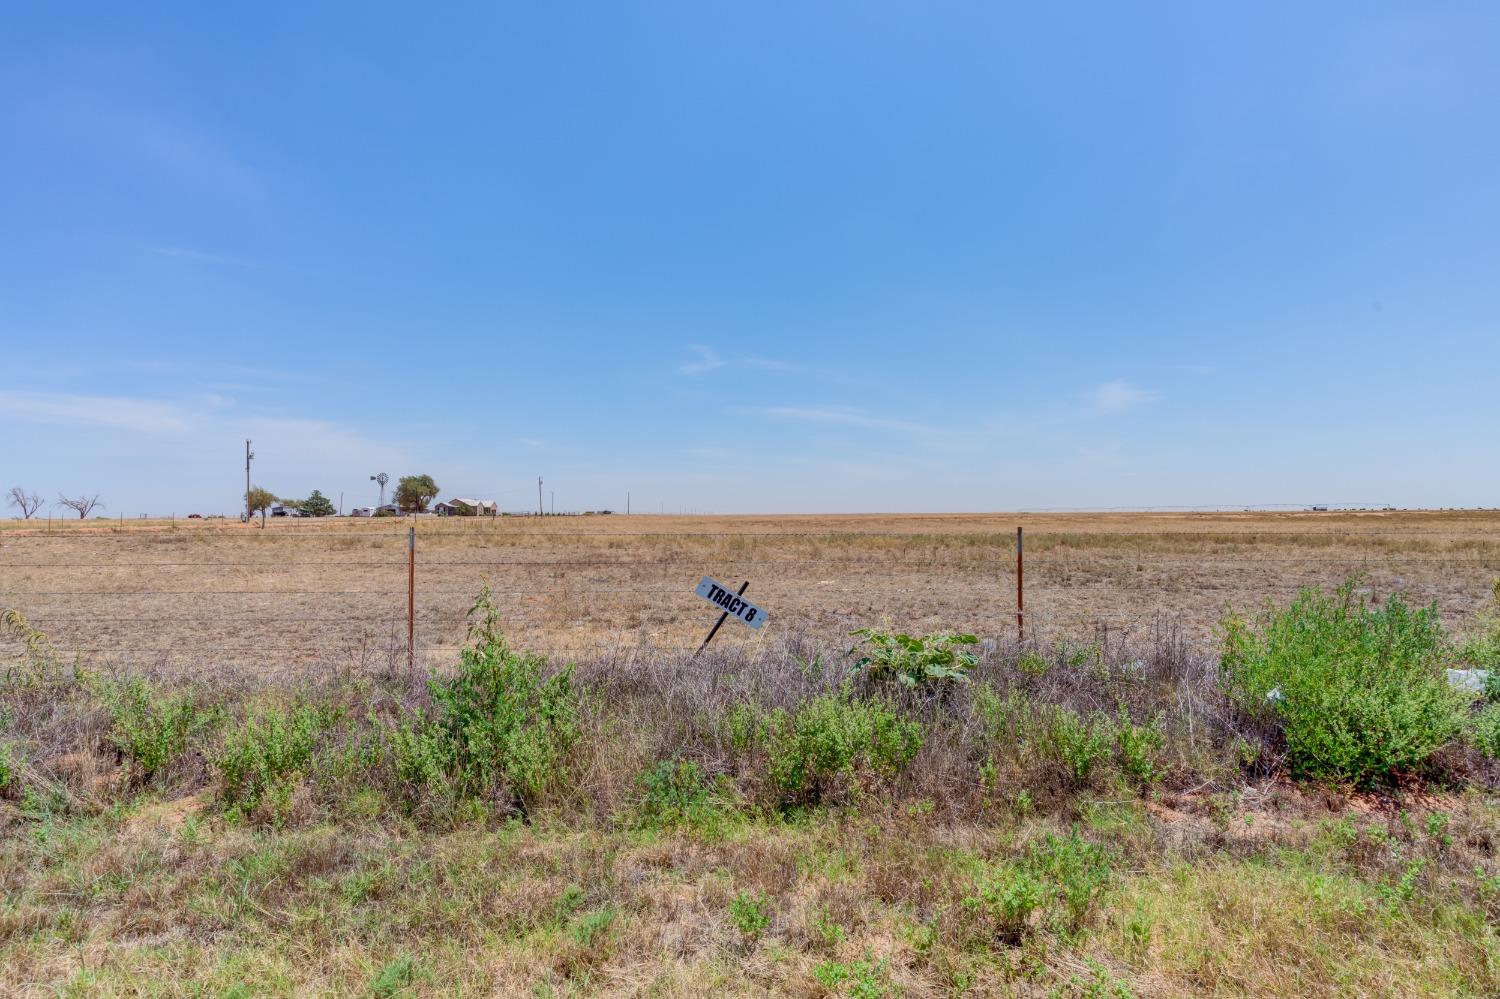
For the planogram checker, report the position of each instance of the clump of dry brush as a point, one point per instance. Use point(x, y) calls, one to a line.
point(955, 728)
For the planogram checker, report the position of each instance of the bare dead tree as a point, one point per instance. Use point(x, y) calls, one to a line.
point(82, 505)
point(29, 503)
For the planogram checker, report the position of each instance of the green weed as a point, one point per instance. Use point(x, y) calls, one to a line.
point(914, 661)
point(751, 914)
point(1056, 883)
point(678, 793)
point(1358, 692)
point(263, 760)
point(829, 744)
point(150, 727)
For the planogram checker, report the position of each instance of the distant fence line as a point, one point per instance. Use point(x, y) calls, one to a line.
point(415, 603)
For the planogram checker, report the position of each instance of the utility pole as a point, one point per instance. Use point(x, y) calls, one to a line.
point(627, 504)
point(553, 494)
point(538, 495)
point(248, 455)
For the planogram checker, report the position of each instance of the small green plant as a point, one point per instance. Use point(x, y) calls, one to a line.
point(1358, 692)
point(914, 661)
point(1079, 744)
point(1057, 883)
point(751, 914)
point(11, 764)
point(1004, 899)
point(1033, 664)
point(150, 727)
point(862, 979)
point(677, 793)
point(263, 760)
point(829, 932)
point(570, 901)
point(510, 724)
point(594, 925)
point(1484, 730)
point(829, 744)
point(1137, 747)
point(1481, 648)
point(1082, 655)
point(396, 977)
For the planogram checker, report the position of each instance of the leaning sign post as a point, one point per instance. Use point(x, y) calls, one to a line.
point(718, 594)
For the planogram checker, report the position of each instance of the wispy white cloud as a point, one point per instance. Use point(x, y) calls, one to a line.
point(1118, 396)
point(531, 442)
point(707, 361)
point(846, 416)
point(771, 364)
point(203, 256)
point(141, 415)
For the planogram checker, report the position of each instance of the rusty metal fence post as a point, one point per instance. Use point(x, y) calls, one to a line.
point(1020, 586)
point(411, 596)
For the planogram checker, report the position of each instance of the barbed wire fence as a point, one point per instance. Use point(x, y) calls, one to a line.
point(310, 596)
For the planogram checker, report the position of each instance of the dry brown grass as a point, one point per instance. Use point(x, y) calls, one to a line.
point(1225, 881)
point(331, 594)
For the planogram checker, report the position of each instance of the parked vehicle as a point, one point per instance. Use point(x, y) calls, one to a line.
point(195, 516)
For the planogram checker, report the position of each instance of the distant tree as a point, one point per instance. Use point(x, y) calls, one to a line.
point(81, 505)
point(317, 505)
point(414, 492)
point(29, 503)
point(259, 500)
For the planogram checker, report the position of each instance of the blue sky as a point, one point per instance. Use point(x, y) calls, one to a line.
point(765, 257)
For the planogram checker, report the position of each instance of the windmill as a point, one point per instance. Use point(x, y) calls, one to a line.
point(381, 478)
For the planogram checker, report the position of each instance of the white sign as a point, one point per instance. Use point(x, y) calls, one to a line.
point(727, 600)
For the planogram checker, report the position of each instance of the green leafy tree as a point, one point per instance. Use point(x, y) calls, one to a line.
point(414, 492)
point(317, 505)
point(259, 500)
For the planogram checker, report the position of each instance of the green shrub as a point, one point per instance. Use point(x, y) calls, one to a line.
point(501, 727)
point(750, 914)
point(912, 661)
point(150, 727)
point(862, 979)
point(831, 742)
point(1057, 883)
point(678, 793)
point(1484, 730)
point(1481, 649)
point(1033, 664)
point(1078, 743)
point(1137, 747)
point(1359, 692)
point(1005, 897)
point(264, 758)
point(11, 764)
point(423, 760)
point(1081, 748)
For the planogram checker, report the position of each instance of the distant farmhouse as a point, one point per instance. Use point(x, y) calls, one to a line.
point(461, 506)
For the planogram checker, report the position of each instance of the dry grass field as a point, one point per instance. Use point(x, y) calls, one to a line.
point(219, 777)
point(319, 594)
